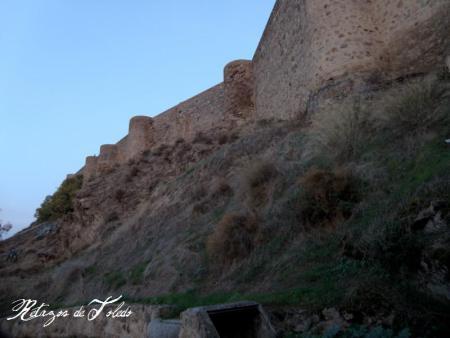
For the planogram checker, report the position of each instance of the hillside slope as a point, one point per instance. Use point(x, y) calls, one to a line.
point(348, 208)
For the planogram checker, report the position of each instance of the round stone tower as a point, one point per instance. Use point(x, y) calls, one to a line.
point(239, 88)
point(90, 168)
point(140, 136)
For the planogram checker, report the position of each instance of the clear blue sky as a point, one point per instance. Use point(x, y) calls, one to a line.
point(73, 72)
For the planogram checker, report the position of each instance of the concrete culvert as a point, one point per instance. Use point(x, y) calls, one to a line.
point(238, 320)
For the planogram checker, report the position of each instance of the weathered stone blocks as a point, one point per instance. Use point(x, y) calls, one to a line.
point(239, 87)
point(90, 168)
point(309, 45)
point(312, 51)
point(108, 158)
point(140, 136)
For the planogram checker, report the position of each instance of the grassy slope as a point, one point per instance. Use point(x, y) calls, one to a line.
point(402, 173)
point(302, 254)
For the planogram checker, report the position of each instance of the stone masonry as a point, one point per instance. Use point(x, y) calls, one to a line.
point(308, 45)
point(239, 88)
point(313, 44)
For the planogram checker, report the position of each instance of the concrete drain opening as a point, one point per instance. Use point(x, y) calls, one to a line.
point(240, 322)
point(237, 320)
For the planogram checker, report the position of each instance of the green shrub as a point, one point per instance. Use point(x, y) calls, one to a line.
point(89, 271)
point(61, 202)
point(137, 273)
point(115, 279)
point(394, 237)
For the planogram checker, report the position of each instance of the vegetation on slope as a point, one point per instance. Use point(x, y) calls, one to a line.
point(61, 202)
point(359, 221)
point(351, 211)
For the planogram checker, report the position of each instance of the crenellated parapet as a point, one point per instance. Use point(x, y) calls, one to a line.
point(239, 88)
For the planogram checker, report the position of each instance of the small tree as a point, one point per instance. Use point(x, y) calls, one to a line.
point(4, 227)
point(61, 202)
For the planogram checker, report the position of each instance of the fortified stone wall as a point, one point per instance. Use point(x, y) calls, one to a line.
point(239, 88)
point(140, 137)
point(202, 112)
point(311, 44)
point(90, 167)
point(109, 156)
point(308, 47)
point(415, 34)
point(223, 106)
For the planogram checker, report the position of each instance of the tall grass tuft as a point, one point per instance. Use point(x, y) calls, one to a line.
point(233, 239)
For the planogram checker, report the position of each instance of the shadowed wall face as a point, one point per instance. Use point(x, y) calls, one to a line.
point(239, 88)
point(90, 168)
point(140, 137)
point(311, 44)
point(108, 158)
point(308, 47)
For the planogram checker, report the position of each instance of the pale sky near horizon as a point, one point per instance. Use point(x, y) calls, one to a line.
point(73, 72)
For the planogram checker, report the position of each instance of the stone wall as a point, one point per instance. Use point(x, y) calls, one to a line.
point(140, 137)
point(109, 156)
point(309, 47)
point(221, 107)
point(200, 113)
point(90, 167)
point(415, 34)
point(239, 88)
point(311, 44)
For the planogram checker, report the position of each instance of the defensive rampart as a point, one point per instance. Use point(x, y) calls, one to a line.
point(308, 45)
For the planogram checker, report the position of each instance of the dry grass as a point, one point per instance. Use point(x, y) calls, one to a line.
point(222, 139)
point(202, 138)
point(327, 196)
point(416, 108)
point(161, 150)
point(179, 140)
point(344, 132)
point(340, 134)
point(221, 188)
point(199, 192)
point(133, 172)
point(182, 150)
point(119, 195)
point(257, 177)
point(200, 208)
point(233, 239)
